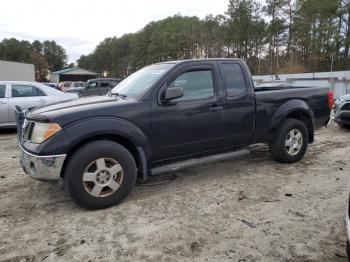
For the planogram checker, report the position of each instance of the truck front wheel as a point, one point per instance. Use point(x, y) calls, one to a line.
point(100, 174)
point(290, 142)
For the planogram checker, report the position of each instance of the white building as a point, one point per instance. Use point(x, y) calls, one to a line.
point(14, 71)
point(338, 82)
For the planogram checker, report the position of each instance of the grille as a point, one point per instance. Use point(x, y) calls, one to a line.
point(346, 107)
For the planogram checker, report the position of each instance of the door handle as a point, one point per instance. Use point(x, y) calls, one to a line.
point(215, 108)
point(41, 100)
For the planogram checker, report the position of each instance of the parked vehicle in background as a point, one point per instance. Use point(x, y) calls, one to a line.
point(67, 85)
point(342, 111)
point(96, 87)
point(274, 85)
point(160, 115)
point(53, 85)
point(26, 95)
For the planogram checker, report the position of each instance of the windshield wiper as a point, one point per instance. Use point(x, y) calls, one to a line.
point(119, 94)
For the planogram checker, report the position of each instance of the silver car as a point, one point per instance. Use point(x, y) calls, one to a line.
point(26, 95)
point(342, 111)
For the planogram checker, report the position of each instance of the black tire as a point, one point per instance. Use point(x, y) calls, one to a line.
point(83, 157)
point(278, 145)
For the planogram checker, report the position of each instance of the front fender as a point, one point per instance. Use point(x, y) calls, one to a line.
point(76, 132)
point(291, 107)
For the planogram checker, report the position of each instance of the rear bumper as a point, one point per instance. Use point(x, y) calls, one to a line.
point(43, 168)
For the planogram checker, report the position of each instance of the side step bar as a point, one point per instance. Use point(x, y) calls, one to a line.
point(200, 161)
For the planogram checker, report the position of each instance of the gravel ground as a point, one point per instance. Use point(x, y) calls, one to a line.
point(243, 210)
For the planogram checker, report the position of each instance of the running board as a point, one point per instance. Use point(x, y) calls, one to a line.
point(200, 161)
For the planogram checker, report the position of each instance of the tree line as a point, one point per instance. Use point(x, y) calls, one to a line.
point(47, 56)
point(273, 37)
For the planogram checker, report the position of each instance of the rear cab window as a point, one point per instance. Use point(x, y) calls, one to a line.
point(104, 84)
point(233, 78)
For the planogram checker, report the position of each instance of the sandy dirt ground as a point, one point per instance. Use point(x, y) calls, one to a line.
point(242, 210)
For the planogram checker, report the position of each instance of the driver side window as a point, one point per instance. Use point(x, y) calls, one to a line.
point(195, 85)
point(92, 85)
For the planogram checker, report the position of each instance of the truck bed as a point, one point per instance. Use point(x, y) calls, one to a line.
point(270, 100)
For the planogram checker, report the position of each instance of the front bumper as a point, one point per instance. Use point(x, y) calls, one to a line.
point(342, 112)
point(43, 168)
point(342, 117)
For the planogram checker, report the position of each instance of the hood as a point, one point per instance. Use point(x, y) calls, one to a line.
point(81, 102)
point(346, 97)
point(73, 110)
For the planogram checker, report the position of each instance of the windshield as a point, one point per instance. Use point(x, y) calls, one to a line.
point(139, 82)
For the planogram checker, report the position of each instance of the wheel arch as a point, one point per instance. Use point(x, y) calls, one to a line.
point(117, 130)
point(129, 145)
point(296, 109)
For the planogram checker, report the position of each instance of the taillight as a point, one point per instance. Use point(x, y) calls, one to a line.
point(330, 99)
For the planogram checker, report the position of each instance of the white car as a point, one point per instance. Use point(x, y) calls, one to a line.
point(26, 95)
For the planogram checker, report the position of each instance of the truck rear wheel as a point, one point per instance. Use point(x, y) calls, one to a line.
point(290, 142)
point(100, 174)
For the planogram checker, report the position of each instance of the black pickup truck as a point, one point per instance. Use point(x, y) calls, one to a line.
point(165, 113)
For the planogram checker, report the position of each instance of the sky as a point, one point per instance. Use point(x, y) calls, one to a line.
point(79, 25)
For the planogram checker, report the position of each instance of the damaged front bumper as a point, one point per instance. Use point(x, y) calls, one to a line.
point(43, 168)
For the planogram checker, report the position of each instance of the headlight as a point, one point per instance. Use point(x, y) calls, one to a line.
point(43, 131)
point(341, 100)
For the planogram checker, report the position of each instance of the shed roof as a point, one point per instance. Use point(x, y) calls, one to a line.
point(73, 71)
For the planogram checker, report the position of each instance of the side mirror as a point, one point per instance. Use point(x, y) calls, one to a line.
point(173, 93)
